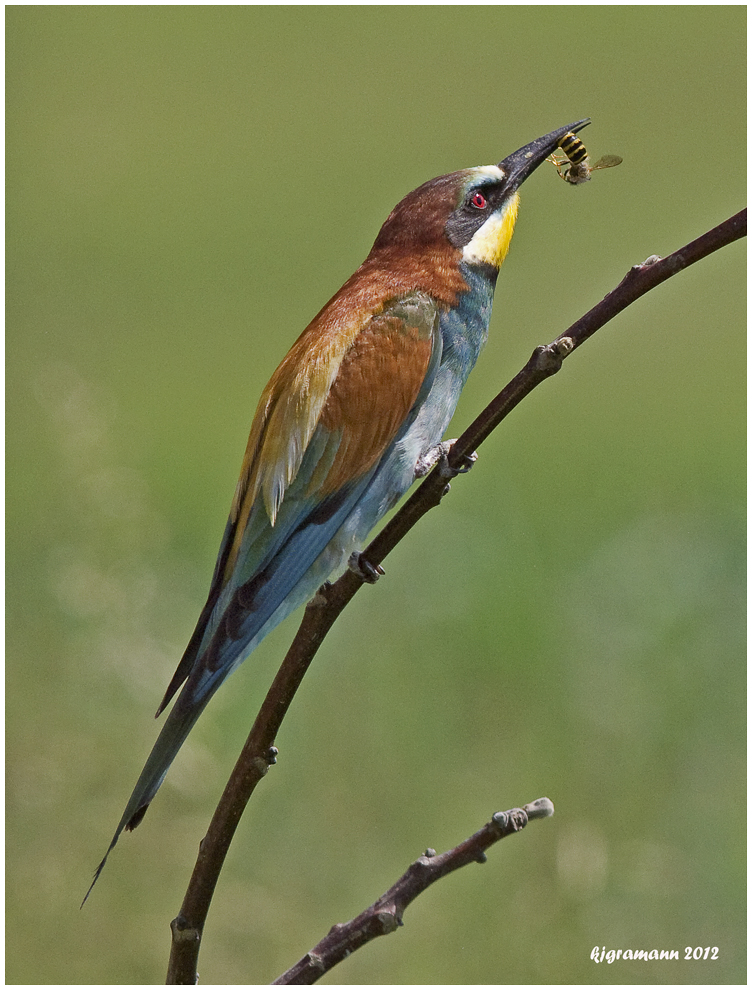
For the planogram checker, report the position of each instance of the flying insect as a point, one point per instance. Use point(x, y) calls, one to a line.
point(575, 168)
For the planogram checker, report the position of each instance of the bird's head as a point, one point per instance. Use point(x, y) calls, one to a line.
point(467, 215)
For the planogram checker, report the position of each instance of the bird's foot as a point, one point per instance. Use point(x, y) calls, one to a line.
point(366, 571)
point(434, 454)
point(466, 462)
point(439, 454)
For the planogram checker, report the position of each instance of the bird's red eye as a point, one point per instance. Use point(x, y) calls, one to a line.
point(479, 201)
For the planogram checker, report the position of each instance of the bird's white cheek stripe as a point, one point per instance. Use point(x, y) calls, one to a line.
point(490, 244)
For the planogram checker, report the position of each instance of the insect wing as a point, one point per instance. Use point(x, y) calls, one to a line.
point(607, 161)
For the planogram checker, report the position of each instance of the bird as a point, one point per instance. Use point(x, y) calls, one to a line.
point(354, 412)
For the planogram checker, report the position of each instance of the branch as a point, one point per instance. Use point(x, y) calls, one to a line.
point(385, 916)
point(321, 613)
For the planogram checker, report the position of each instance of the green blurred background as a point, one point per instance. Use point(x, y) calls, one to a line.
point(186, 187)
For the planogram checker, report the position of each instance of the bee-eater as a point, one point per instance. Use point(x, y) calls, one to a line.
point(350, 417)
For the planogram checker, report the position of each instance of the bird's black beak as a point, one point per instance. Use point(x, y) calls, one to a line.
point(519, 165)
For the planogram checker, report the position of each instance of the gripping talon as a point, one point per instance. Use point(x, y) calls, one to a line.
point(466, 463)
point(368, 572)
point(439, 454)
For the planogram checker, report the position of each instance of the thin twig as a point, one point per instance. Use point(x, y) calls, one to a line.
point(385, 916)
point(259, 752)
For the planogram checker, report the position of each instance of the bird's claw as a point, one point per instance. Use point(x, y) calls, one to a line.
point(439, 454)
point(466, 462)
point(365, 570)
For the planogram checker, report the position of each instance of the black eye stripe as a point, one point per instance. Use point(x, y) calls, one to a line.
point(470, 215)
point(491, 194)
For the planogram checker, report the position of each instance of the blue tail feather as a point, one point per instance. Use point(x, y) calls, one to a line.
point(291, 577)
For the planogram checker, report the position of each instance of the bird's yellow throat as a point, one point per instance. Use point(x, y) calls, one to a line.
point(490, 244)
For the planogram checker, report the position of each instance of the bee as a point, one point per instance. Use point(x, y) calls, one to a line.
point(579, 167)
point(573, 148)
